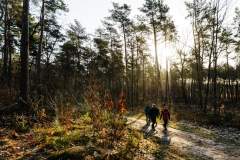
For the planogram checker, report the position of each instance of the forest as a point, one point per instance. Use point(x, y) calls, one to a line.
point(69, 94)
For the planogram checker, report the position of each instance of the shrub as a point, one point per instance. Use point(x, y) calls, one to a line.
point(86, 118)
point(22, 123)
point(60, 142)
point(129, 151)
point(133, 140)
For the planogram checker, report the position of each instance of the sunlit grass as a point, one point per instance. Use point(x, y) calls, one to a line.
point(199, 131)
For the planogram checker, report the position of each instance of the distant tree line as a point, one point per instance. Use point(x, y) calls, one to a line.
point(208, 73)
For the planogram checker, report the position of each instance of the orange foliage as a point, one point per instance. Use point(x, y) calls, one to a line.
point(108, 103)
point(122, 107)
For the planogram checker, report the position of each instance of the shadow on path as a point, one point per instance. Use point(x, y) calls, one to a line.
point(160, 137)
point(164, 141)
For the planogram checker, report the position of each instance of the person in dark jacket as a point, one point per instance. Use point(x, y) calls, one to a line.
point(165, 115)
point(146, 111)
point(153, 114)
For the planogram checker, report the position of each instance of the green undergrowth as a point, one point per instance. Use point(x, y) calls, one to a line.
point(113, 140)
point(57, 137)
point(87, 139)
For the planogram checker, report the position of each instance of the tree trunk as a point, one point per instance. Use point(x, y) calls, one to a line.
point(209, 69)
point(126, 60)
point(132, 75)
point(24, 76)
point(215, 63)
point(40, 47)
point(167, 84)
point(137, 74)
point(6, 44)
point(10, 38)
point(158, 76)
point(143, 77)
point(236, 90)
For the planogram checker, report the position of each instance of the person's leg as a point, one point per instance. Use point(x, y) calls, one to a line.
point(165, 125)
point(147, 119)
point(153, 123)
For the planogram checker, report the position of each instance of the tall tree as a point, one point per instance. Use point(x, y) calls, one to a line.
point(116, 68)
point(226, 40)
point(24, 79)
point(11, 30)
point(120, 14)
point(140, 33)
point(6, 42)
point(236, 27)
point(181, 66)
point(157, 13)
point(219, 13)
point(40, 47)
point(78, 36)
point(197, 12)
point(46, 27)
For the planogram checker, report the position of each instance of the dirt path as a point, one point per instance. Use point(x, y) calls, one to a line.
point(190, 143)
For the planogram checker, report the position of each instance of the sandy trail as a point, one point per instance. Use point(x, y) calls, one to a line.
point(190, 143)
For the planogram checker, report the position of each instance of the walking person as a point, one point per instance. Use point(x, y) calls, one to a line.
point(153, 114)
point(165, 115)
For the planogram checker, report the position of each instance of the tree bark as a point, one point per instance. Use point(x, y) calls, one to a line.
point(132, 75)
point(40, 47)
point(209, 71)
point(126, 59)
point(24, 76)
point(215, 62)
point(158, 76)
point(143, 77)
point(6, 44)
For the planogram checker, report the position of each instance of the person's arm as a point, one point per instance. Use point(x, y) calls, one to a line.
point(161, 115)
point(168, 115)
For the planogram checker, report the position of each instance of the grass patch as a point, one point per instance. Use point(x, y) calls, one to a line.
point(228, 141)
point(60, 137)
point(112, 139)
point(199, 131)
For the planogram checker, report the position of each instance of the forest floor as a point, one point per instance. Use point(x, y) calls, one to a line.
point(183, 140)
point(202, 142)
